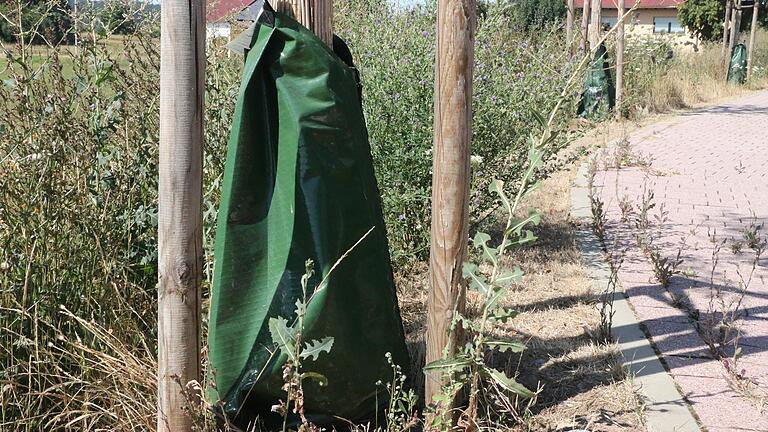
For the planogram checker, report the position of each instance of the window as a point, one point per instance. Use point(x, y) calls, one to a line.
point(609, 22)
point(667, 25)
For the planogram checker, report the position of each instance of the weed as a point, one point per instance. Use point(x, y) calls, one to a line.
point(626, 208)
point(736, 247)
point(752, 238)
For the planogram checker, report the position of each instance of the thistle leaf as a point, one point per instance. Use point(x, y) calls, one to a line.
point(514, 276)
point(507, 383)
point(476, 280)
point(481, 241)
point(449, 364)
point(502, 315)
point(497, 187)
point(315, 347)
point(283, 336)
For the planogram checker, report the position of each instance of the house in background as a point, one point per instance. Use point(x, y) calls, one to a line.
point(220, 15)
point(650, 17)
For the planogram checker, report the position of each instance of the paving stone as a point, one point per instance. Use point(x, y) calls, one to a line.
point(709, 177)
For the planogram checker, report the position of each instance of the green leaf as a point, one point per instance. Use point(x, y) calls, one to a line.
point(514, 276)
point(320, 379)
point(481, 241)
point(490, 301)
point(449, 364)
point(507, 383)
point(539, 119)
point(283, 336)
point(504, 345)
point(497, 187)
point(315, 347)
point(476, 281)
point(502, 315)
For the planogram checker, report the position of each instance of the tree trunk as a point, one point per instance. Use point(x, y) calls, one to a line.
point(755, 12)
point(620, 59)
point(450, 178)
point(180, 251)
point(585, 12)
point(595, 24)
point(316, 15)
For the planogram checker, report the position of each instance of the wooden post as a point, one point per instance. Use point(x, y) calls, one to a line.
point(180, 251)
point(735, 27)
point(450, 178)
point(316, 15)
point(595, 24)
point(755, 12)
point(569, 28)
point(620, 59)
point(727, 26)
point(585, 12)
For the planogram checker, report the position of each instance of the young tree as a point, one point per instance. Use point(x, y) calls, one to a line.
point(704, 18)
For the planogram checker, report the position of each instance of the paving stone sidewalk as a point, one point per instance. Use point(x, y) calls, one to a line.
point(708, 174)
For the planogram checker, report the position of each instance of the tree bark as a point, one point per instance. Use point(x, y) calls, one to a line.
point(182, 84)
point(755, 12)
point(595, 24)
point(585, 12)
point(450, 178)
point(620, 59)
point(316, 15)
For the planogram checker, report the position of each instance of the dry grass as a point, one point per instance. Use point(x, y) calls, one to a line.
point(583, 383)
point(696, 78)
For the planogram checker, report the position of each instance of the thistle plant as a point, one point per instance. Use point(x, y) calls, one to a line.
point(491, 281)
point(288, 339)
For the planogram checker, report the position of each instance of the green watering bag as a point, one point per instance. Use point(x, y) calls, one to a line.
point(737, 68)
point(299, 184)
point(599, 92)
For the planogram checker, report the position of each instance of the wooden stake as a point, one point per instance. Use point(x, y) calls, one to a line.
point(735, 27)
point(450, 178)
point(620, 59)
point(316, 15)
point(585, 12)
point(180, 251)
point(569, 27)
point(727, 26)
point(595, 24)
point(755, 12)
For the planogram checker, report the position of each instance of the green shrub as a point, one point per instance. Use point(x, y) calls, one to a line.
point(47, 21)
point(395, 51)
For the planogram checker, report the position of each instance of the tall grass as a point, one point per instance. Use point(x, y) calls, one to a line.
point(657, 84)
point(78, 168)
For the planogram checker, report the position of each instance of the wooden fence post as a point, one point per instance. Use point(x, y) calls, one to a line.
point(727, 26)
point(569, 28)
point(585, 13)
point(620, 59)
point(182, 85)
point(316, 15)
point(755, 12)
point(735, 27)
point(595, 24)
point(450, 178)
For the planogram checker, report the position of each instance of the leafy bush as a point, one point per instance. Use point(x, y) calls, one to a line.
point(47, 21)
point(704, 18)
point(395, 52)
